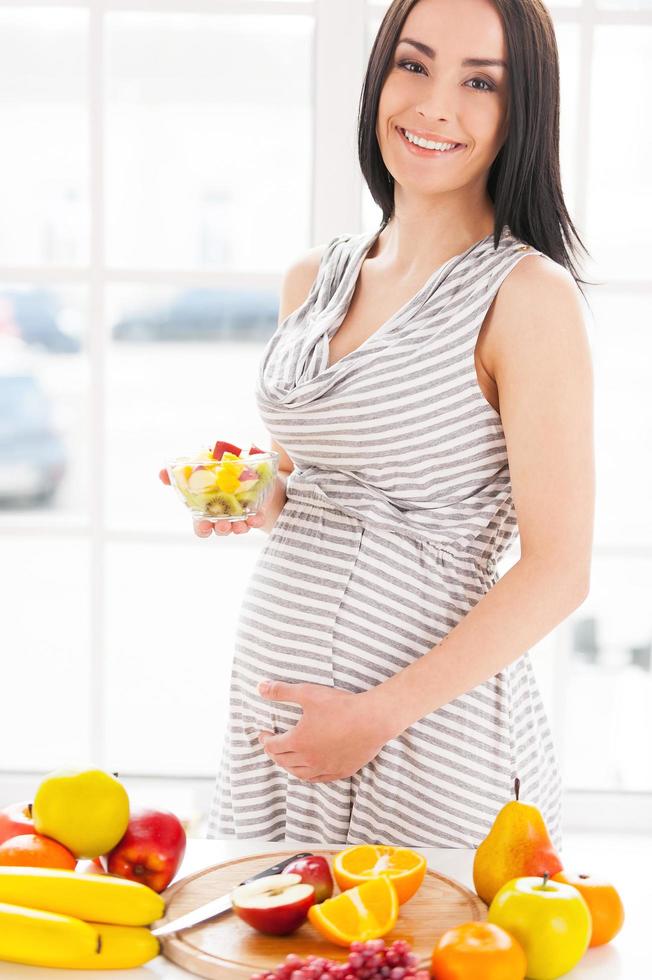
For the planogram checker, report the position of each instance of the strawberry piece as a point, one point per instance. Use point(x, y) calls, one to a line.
point(255, 449)
point(223, 447)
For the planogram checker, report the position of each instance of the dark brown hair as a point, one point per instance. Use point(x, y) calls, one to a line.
point(524, 180)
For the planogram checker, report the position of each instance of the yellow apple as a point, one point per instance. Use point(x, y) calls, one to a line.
point(86, 810)
point(550, 919)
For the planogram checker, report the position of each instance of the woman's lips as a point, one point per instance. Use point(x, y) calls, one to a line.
point(422, 151)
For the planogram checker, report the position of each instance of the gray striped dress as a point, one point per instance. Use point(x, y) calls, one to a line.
point(398, 509)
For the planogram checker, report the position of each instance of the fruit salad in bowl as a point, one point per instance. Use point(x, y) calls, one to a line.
point(224, 483)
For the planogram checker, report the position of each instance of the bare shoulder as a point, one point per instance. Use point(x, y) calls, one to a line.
point(295, 289)
point(538, 307)
point(298, 280)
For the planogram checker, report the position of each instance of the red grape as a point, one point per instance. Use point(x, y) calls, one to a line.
point(370, 960)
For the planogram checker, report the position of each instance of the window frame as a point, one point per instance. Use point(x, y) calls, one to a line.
point(337, 187)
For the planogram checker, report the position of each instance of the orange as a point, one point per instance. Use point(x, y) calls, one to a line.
point(604, 902)
point(357, 864)
point(36, 851)
point(367, 911)
point(478, 951)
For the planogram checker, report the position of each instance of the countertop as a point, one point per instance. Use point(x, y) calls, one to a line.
point(626, 862)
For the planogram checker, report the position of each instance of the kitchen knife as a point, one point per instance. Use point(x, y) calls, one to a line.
point(218, 905)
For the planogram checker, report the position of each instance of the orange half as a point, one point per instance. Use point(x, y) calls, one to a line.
point(405, 868)
point(367, 911)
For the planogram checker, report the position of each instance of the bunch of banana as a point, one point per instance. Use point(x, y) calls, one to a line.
point(51, 917)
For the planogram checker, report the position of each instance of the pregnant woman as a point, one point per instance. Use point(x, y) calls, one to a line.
point(429, 391)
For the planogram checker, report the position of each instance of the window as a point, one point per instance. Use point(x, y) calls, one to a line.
point(165, 162)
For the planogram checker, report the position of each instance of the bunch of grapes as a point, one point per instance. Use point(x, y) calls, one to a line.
point(370, 960)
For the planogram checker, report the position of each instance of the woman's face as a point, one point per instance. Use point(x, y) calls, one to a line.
point(441, 97)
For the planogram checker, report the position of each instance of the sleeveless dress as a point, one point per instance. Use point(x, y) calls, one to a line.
point(398, 508)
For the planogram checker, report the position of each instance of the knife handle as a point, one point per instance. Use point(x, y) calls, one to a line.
point(277, 868)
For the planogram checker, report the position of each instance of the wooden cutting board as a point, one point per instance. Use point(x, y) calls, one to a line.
point(227, 947)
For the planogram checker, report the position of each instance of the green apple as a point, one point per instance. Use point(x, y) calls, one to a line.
point(550, 919)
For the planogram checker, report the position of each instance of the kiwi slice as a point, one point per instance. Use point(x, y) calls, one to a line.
point(248, 498)
point(223, 503)
point(264, 471)
point(193, 499)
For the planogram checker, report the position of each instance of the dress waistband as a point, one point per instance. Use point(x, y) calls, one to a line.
point(445, 551)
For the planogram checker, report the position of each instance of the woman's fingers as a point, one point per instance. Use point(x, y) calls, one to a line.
point(203, 529)
point(222, 527)
point(239, 527)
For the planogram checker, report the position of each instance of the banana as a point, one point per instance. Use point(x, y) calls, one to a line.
point(98, 898)
point(122, 947)
point(44, 938)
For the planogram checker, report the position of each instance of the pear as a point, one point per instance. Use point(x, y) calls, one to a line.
point(517, 846)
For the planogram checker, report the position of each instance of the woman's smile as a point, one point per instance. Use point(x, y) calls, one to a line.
point(424, 151)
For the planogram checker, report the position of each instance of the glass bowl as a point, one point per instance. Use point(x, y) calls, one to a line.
point(229, 489)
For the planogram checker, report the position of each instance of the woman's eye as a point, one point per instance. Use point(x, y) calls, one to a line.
point(403, 64)
point(489, 86)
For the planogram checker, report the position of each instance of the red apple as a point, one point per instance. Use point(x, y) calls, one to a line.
point(275, 904)
point(225, 447)
point(16, 819)
point(150, 850)
point(314, 870)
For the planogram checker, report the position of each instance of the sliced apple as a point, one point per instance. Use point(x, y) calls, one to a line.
point(247, 485)
point(221, 447)
point(200, 479)
point(181, 474)
point(313, 870)
point(275, 904)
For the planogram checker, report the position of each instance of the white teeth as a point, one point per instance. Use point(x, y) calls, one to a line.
point(428, 144)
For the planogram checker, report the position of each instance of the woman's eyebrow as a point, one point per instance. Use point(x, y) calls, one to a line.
point(474, 62)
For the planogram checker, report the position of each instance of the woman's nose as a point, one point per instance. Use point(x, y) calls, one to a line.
point(438, 105)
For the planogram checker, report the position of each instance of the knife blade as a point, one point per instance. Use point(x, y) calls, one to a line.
point(219, 905)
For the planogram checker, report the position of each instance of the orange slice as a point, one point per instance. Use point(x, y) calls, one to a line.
point(405, 868)
point(367, 911)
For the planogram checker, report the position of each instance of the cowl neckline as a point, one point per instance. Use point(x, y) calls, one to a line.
point(294, 369)
point(350, 282)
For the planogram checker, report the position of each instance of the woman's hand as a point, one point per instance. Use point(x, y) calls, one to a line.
point(204, 529)
point(338, 732)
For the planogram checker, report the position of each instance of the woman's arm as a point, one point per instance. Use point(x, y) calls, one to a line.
point(295, 289)
point(276, 500)
point(538, 353)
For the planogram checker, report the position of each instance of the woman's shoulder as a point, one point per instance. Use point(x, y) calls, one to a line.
point(539, 299)
point(539, 273)
point(302, 274)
